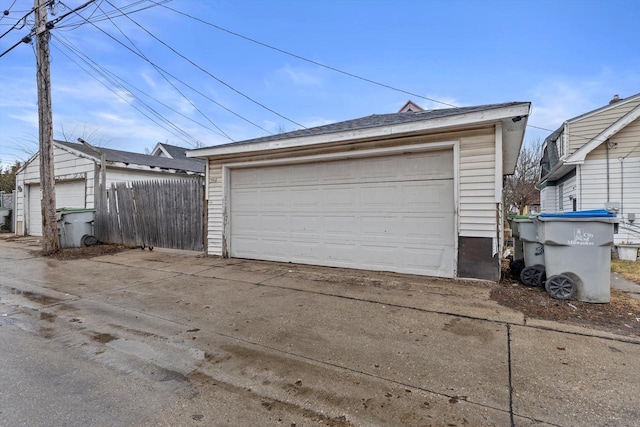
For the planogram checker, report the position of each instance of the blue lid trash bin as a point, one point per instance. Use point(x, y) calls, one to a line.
point(533, 274)
point(75, 227)
point(578, 254)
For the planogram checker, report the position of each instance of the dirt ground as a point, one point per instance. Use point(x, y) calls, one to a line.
point(620, 316)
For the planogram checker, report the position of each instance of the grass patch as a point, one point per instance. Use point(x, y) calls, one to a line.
point(629, 269)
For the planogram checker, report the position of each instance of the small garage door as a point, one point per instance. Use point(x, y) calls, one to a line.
point(392, 213)
point(69, 194)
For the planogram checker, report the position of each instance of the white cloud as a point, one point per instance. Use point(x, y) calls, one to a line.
point(301, 77)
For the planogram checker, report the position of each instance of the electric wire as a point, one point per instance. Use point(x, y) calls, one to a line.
point(302, 58)
point(177, 131)
point(112, 14)
point(221, 132)
point(209, 73)
point(7, 11)
point(181, 81)
point(24, 22)
point(127, 86)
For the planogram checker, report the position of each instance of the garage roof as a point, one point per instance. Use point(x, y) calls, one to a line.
point(512, 114)
point(128, 158)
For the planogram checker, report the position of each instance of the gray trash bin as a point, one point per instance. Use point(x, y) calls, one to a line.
point(578, 254)
point(517, 264)
point(4, 215)
point(75, 227)
point(534, 272)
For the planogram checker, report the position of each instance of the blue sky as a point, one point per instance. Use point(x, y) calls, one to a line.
point(566, 57)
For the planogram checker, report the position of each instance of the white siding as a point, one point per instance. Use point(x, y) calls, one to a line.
point(582, 130)
point(477, 206)
point(569, 193)
point(68, 166)
point(624, 188)
point(548, 199)
point(115, 175)
point(626, 191)
point(214, 206)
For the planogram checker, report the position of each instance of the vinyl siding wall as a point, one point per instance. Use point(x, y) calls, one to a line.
point(549, 199)
point(477, 205)
point(128, 175)
point(476, 182)
point(68, 166)
point(583, 130)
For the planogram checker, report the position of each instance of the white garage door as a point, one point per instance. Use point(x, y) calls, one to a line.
point(392, 213)
point(69, 194)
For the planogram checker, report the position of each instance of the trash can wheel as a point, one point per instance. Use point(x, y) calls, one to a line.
point(533, 275)
point(560, 287)
point(516, 267)
point(88, 240)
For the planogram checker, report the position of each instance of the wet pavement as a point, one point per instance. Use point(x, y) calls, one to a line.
point(236, 342)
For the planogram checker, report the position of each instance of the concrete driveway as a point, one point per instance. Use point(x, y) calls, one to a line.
point(259, 343)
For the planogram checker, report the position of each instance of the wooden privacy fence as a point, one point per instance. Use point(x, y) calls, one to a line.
point(166, 214)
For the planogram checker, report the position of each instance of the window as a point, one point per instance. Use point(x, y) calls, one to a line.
point(560, 197)
point(560, 144)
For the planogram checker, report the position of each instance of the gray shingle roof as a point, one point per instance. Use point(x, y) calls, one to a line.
point(373, 121)
point(183, 164)
point(174, 151)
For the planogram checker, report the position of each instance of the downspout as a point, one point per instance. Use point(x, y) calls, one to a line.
point(606, 146)
point(621, 185)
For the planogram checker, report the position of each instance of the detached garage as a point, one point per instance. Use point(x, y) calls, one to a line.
point(414, 192)
point(77, 175)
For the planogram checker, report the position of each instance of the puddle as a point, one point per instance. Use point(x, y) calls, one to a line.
point(103, 338)
point(34, 296)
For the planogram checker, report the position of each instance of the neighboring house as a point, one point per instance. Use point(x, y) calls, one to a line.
point(593, 161)
point(410, 106)
point(172, 152)
point(77, 171)
point(413, 192)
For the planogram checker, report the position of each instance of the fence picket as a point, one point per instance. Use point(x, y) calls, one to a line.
point(167, 213)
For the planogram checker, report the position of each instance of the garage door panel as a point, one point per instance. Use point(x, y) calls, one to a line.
point(339, 196)
point(380, 227)
point(341, 227)
point(309, 225)
point(275, 226)
point(69, 194)
point(379, 196)
point(248, 223)
point(427, 196)
point(309, 198)
point(393, 213)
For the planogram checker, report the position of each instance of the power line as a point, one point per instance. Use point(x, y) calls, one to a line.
point(176, 128)
point(122, 82)
point(167, 80)
point(210, 74)
point(179, 80)
point(24, 22)
point(7, 10)
point(112, 14)
point(306, 59)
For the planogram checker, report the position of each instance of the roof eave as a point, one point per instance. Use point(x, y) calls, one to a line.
point(513, 131)
point(385, 131)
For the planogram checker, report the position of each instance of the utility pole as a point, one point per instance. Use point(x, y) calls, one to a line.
point(45, 120)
